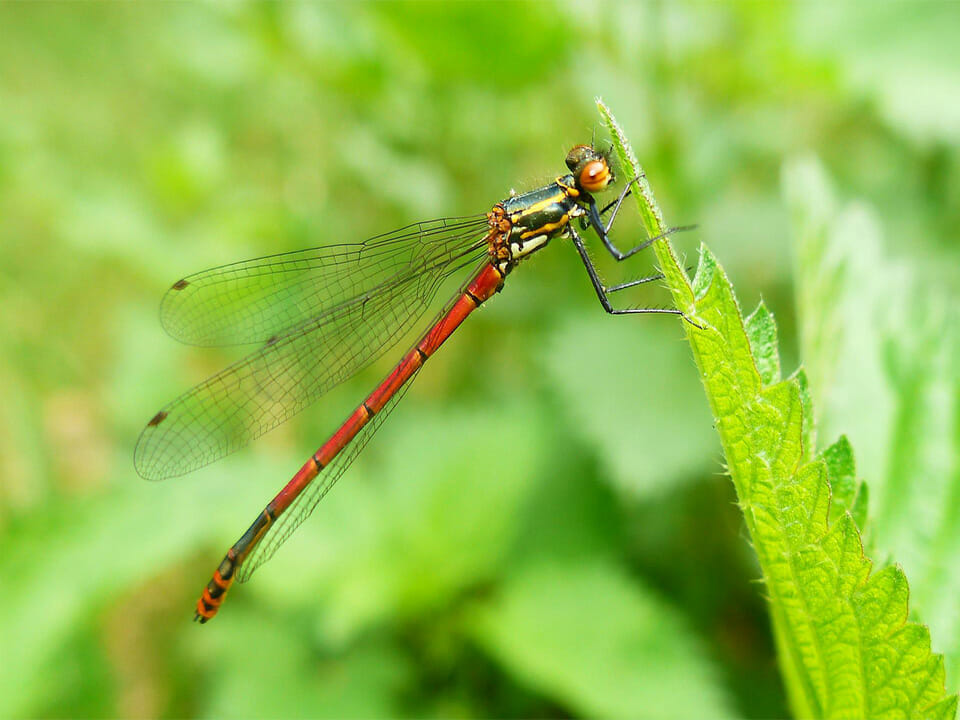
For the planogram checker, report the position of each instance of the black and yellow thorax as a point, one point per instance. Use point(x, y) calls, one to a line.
point(522, 224)
point(527, 222)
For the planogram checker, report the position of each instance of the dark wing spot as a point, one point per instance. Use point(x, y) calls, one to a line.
point(272, 339)
point(157, 419)
point(179, 285)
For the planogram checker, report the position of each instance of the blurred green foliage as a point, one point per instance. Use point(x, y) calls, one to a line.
point(543, 528)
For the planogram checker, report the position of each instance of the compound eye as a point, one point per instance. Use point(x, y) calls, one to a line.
point(577, 154)
point(595, 176)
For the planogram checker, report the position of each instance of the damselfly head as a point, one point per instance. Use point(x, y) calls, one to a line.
point(591, 171)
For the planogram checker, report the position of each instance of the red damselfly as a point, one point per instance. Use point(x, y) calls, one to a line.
point(321, 315)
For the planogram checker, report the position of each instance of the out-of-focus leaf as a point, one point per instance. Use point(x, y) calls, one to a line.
point(116, 537)
point(648, 434)
point(104, 544)
point(269, 668)
point(599, 643)
point(904, 58)
point(850, 301)
point(572, 512)
point(890, 380)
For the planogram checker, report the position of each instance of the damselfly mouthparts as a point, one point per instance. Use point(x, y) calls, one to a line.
point(319, 316)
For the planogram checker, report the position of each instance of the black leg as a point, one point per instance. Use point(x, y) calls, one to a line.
point(603, 232)
point(595, 220)
point(634, 283)
point(595, 215)
point(617, 201)
point(602, 290)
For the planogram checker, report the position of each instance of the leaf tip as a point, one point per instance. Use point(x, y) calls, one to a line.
point(706, 269)
point(761, 329)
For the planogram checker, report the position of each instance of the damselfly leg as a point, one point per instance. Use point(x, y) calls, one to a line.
point(602, 290)
point(593, 219)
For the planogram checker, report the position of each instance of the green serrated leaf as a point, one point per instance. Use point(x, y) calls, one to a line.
point(844, 644)
point(809, 430)
point(762, 332)
point(840, 465)
point(842, 475)
point(861, 502)
point(704, 275)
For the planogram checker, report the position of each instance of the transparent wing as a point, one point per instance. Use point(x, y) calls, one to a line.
point(254, 300)
point(293, 369)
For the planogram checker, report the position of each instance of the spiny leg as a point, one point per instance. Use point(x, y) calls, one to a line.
point(633, 283)
point(602, 290)
point(625, 193)
point(595, 220)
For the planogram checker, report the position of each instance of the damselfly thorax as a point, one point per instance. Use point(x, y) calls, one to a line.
point(523, 224)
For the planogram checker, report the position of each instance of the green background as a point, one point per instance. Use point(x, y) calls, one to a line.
point(543, 528)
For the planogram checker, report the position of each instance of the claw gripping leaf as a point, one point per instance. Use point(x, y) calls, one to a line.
point(844, 643)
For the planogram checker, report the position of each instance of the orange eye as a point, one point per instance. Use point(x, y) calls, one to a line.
point(595, 176)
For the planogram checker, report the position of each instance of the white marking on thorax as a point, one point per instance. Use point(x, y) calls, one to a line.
point(518, 250)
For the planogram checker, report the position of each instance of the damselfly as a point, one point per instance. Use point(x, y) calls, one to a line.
point(320, 316)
